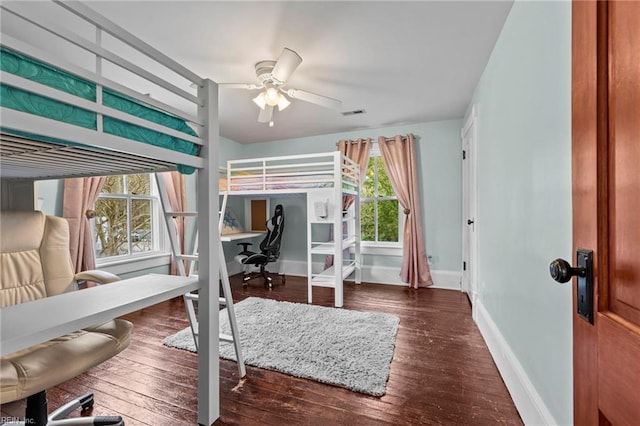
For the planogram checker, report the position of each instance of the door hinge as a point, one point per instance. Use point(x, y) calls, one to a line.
point(464, 154)
point(464, 266)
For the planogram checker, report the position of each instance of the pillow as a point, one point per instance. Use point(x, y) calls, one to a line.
point(231, 224)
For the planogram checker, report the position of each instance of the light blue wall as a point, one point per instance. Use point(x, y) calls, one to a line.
point(438, 150)
point(48, 196)
point(524, 194)
point(229, 150)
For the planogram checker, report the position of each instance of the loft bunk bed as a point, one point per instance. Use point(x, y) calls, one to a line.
point(325, 179)
point(60, 118)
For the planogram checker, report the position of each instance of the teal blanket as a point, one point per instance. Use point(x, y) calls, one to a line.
point(26, 67)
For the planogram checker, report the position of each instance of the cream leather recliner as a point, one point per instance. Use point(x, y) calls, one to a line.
point(36, 263)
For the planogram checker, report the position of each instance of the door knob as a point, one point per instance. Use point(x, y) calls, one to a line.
point(562, 271)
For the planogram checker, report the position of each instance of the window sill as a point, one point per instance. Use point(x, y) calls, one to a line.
point(136, 263)
point(381, 250)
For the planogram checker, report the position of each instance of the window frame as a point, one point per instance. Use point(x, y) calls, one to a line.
point(385, 248)
point(160, 252)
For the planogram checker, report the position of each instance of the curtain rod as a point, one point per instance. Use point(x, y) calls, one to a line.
point(375, 140)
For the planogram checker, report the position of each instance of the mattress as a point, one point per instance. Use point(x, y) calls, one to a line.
point(32, 103)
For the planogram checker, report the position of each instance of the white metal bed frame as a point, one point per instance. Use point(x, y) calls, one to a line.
point(327, 175)
point(108, 154)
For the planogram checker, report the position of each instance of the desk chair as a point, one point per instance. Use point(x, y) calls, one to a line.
point(269, 250)
point(36, 264)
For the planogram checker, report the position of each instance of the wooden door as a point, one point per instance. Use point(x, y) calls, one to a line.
point(606, 208)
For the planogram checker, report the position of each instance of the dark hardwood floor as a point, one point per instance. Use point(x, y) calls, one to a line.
point(442, 372)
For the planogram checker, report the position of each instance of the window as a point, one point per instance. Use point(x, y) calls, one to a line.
point(127, 221)
point(380, 212)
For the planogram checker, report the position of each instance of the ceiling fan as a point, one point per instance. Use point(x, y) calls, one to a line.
point(271, 79)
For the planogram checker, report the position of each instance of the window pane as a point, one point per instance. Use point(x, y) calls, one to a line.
point(111, 228)
point(141, 235)
point(369, 179)
point(367, 221)
point(384, 184)
point(388, 221)
point(113, 185)
point(139, 184)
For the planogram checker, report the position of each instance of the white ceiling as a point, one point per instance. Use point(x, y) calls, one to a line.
point(402, 62)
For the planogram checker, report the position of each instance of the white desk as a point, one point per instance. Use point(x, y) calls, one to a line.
point(35, 322)
point(241, 236)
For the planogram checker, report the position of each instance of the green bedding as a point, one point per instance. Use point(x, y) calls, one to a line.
point(23, 66)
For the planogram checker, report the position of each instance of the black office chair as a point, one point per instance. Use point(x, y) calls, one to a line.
point(269, 250)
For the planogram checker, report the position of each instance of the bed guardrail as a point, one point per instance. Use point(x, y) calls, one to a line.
point(292, 173)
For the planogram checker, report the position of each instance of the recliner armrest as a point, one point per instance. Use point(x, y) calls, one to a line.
point(101, 277)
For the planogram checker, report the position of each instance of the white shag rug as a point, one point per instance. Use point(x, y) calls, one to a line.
point(337, 346)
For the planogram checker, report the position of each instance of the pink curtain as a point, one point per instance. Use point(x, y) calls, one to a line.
point(399, 158)
point(80, 195)
point(177, 194)
point(358, 151)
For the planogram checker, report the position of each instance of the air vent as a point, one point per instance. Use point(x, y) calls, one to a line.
point(354, 112)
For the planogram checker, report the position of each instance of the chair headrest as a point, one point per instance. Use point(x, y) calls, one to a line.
point(21, 230)
point(278, 215)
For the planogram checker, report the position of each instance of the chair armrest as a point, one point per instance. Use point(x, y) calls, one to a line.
point(244, 247)
point(101, 277)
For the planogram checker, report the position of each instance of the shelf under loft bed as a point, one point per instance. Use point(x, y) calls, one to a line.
point(326, 278)
point(329, 247)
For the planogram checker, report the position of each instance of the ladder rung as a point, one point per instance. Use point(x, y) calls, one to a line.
point(194, 297)
point(191, 296)
point(181, 213)
point(191, 257)
point(226, 338)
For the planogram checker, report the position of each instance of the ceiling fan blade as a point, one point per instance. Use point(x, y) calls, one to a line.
point(315, 99)
point(239, 86)
point(266, 114)
point(285, 65)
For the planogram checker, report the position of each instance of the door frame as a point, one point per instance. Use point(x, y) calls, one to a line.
point(469, 140)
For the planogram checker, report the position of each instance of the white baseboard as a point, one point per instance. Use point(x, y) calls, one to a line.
point(532, 409)
point(449, 280)
point(233, 268)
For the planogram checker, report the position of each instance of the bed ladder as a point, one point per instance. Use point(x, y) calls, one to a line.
point(190, 299)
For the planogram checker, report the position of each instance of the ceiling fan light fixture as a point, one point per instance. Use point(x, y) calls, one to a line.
point(260, 100)
point(272, 77)
point(271, 96)
point(283, 102)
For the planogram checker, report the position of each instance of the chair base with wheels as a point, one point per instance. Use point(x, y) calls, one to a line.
point(36, 413)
